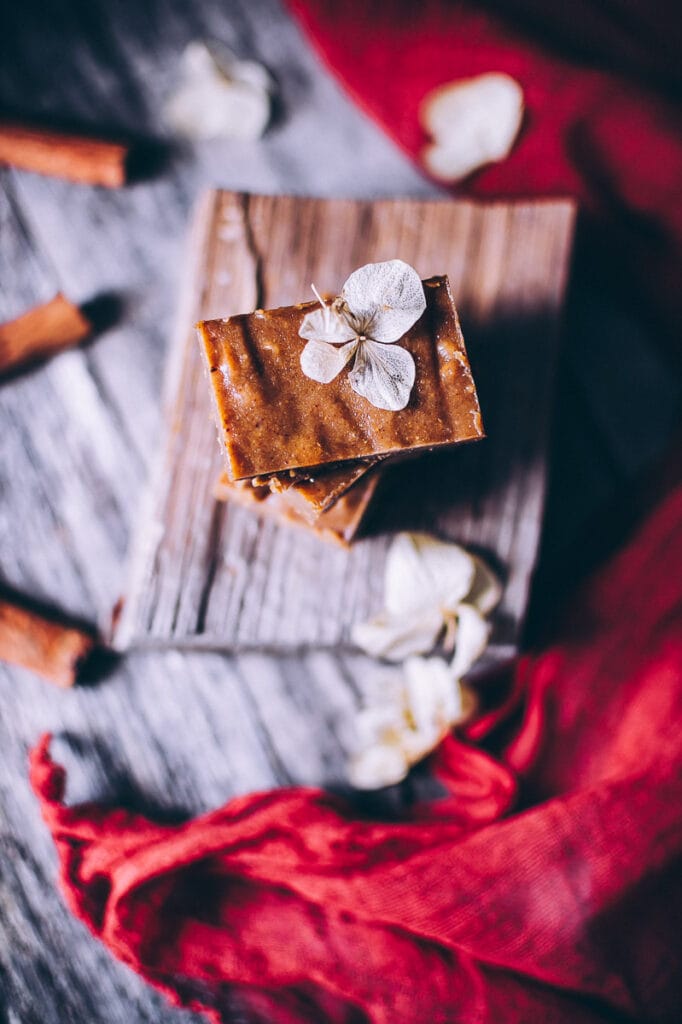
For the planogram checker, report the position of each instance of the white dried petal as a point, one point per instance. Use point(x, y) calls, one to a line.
point(386, 298)
point(380, 721)
point(423, 572)
point(397, 638)
point(472, 639)
point(433, 696)
point(229, 99)
point(383, 375)
point(404, 723)
point(322, 362)
point(418, 745)
point(411, 722)
point(326, 325)
point(473, 122)
point(248, 72)
point(486, 590)
point(378, 766)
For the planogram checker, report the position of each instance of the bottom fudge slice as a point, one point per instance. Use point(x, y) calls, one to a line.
point(340, 523)
point(316, 490)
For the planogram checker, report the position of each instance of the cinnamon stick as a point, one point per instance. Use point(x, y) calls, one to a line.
point(42, 331)
point(48, 648)
point(63, 155)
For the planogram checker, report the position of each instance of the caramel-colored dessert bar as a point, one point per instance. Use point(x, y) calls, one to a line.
point(340, 523)
point(321, 491)
point(273, 418)
point(318, 489)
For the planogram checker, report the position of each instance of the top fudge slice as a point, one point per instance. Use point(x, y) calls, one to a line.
point(273, 418)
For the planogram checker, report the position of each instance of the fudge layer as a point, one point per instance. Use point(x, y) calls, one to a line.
point(318, 489)
point(273, 418)
point(340, 523)
point(321, 492)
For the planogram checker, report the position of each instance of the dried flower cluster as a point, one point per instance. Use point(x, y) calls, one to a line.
point(379, 303)
point(473, 122)
point(434, 592)
point(219, 96)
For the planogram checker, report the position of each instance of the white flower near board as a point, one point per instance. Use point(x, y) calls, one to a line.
point(435, 593)
point(219, 96)
point(433, 590)
point(472, 122)
point(378, 305)
point(406, 717)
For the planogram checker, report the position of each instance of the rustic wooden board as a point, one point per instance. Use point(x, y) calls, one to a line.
point(214, 576)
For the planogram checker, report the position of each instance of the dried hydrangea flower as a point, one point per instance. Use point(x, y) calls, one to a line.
point(433, 589)
point(473, 122)
point(219, 96)
point(405, 719)
point(377, 306)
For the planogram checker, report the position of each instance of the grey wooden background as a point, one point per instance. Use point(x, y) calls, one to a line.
point(170, 732)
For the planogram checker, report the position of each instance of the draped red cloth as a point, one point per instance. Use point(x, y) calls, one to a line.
point(545, 887)
point(603, 122)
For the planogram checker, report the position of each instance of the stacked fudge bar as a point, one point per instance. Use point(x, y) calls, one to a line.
point(312, 453)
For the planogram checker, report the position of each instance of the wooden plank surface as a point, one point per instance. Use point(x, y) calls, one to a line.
point(213, 575)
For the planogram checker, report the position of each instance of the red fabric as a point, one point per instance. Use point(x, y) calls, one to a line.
point(609, 140)
point(567, 910)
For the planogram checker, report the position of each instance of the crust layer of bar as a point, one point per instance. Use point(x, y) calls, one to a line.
point(319, 488)
point(273, 418)
point(340, 523)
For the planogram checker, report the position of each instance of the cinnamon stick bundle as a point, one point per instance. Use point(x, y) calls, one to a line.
point(42, 331)
point(48, 648)
point(63, 155)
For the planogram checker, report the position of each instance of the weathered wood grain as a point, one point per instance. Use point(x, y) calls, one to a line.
point(216, 576)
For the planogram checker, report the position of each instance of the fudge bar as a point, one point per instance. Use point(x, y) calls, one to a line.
point(273, 418)
point(319, 489)
point(320, 492)
point(339, 523)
